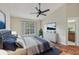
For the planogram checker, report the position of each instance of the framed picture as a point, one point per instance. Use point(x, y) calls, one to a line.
point(2, 20)
point(51, 26)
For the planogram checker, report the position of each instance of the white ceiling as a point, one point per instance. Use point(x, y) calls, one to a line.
point(24, 10)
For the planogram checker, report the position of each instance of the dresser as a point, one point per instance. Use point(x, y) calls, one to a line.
point(71, 36)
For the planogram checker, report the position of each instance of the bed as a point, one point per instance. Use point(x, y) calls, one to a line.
point(34, 45)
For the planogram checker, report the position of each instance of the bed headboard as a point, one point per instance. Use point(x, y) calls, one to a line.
point(3, 33)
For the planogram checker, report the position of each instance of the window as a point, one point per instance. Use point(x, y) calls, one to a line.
point(28, 28)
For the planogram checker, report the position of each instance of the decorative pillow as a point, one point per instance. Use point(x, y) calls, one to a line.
point(4, 33)
point(20, 41)
point(9, 37)
point(19, 45)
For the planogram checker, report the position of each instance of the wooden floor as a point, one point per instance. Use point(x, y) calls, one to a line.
point(68, 50)
point(65, 50)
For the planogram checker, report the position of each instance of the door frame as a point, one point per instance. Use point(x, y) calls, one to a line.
point(76, 30)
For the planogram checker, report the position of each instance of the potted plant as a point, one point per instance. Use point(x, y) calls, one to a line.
point(41, 33)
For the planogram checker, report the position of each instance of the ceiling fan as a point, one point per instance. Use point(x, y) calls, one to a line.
point(39, 11)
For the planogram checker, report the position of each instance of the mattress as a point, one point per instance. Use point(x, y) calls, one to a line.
point(34, 45)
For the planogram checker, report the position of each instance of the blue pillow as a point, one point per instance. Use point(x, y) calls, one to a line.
point(6, 37)
point(10, 38)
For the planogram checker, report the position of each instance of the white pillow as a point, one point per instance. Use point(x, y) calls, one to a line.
point(20, 41)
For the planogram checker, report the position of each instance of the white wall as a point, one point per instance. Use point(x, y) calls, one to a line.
point(77, 31)
point(72, 11)
point(15, 24)
point(59, 16)
point(38, 26)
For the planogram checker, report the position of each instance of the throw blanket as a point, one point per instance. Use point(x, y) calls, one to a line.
point(45, 43)
point(34, 45)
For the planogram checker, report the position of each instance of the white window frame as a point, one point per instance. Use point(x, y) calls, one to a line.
point(23, 29)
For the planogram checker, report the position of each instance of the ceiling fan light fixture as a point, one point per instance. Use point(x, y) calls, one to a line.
point(39, 11)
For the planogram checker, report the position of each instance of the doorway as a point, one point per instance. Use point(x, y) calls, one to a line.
point(71, 31)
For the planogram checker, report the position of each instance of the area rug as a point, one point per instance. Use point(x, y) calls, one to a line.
point(71, 49)
point(52, 51)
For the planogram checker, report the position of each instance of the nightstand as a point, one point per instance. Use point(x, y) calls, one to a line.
point(1, 43)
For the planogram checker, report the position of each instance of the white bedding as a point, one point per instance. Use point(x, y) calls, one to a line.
point(31, 44)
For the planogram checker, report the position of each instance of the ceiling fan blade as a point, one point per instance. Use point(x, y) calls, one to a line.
point(34, 13)
point(43, 14)
point(38, 15)
point(39, 6)
point(36, 8)
point(44, 11)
